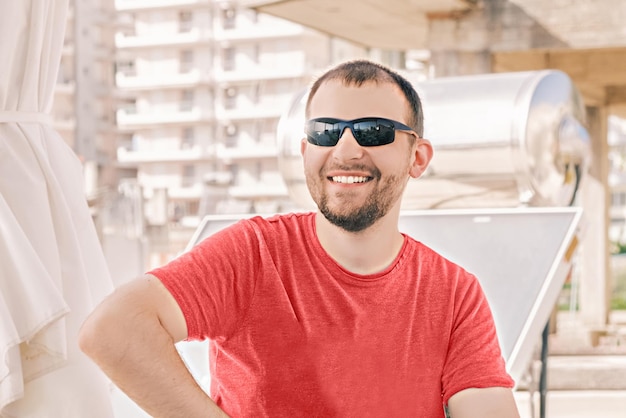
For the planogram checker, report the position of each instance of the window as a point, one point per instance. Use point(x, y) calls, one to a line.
point(618, 199)
point(228, 58)
point(256, 93)
point(185, 21)
point(256, 53)
point(187, 139)
point(230, 135)
point(257, 130)
point(230, 98)
point(234, 172)
point(128, 142)
point(229, 16)
point(186, 101)
point(129, 106)
point(186, 61)
point(126, 23)
point(126, 67)
point(188, 175)
point(230, 130)
point(189, 170)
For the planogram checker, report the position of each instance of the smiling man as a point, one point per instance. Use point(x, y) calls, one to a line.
point(332, 313)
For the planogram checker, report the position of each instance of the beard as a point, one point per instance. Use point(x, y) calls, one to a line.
point(352, 217)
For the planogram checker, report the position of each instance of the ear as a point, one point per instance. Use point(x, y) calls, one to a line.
point(303, 144)
point(422, 156)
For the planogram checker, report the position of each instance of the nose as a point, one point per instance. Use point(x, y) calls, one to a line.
point(347, 148)
point(345, 128)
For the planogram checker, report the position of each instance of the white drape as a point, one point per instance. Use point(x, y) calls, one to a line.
point(52, 270)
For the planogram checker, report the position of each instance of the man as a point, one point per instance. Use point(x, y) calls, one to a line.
point(329, 314)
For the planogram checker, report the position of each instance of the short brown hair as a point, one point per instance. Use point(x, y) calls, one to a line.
point(358, 72)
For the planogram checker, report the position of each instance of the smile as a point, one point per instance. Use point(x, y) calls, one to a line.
point(350, 179)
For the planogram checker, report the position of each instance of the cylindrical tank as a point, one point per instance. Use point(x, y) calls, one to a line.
point(500, 140)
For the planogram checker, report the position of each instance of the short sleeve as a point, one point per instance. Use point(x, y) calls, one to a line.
point(474, 358)
point(214, 282)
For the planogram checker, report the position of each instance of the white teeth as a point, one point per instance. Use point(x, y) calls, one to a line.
point(349, 179)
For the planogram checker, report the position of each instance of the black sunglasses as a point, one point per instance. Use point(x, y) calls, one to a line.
point(368, 132)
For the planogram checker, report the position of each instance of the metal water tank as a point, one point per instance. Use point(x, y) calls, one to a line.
point(500, 140)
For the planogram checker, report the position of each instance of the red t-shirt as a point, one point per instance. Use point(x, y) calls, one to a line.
point(293, 334)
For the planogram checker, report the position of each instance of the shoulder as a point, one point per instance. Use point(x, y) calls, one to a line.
point(438, 274)
point(434, 262)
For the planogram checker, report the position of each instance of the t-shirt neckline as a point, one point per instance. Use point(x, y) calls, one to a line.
point(345, 274)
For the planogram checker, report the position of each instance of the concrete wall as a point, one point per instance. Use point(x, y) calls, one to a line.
point(463, 44)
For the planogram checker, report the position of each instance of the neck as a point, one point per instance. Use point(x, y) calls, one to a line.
point(365, 252)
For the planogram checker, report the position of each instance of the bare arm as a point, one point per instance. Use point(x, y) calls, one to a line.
point(493, 402)
point(131, 337)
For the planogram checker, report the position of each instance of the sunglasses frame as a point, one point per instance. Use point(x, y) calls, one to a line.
point(356, 133)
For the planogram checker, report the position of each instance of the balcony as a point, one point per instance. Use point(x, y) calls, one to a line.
point(250, 113)
point(126, 156)
point(190, 192)
point(258, 190)
point(131, 81)
point(254, 152)
point(255, 72)
point(191, 37)
point(127, 119)
point(274, 29)
point(130, 5)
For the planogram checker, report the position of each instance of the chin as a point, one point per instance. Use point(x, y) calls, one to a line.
point(354, 221)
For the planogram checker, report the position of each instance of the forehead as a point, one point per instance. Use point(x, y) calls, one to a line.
point(338, 100)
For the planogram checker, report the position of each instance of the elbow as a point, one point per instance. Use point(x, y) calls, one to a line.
point(125, 320)
point(92, 335)
point(104, 334)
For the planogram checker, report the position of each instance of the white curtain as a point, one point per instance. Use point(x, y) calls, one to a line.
point(52, 270)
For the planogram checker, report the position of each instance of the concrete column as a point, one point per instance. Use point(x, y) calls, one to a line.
point(595, 272)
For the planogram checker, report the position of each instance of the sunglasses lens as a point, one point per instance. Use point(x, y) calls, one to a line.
point(374, 132)
point(324, 134)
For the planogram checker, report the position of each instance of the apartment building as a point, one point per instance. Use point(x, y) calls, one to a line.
point(84, 100)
